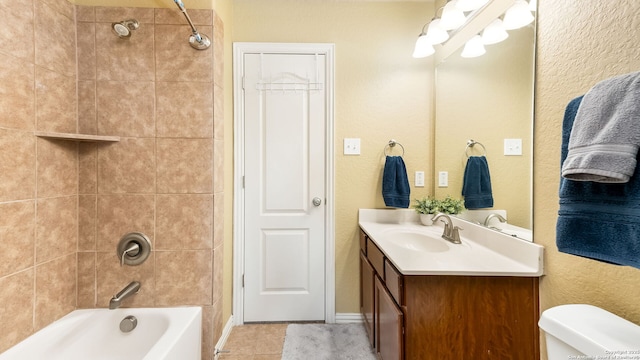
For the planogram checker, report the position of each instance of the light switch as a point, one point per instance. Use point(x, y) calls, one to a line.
point(443, 179)
point(512, 147)
point(351, 146)
point(419, 179)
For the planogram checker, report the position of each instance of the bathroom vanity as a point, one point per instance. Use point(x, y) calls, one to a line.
point(425, 298)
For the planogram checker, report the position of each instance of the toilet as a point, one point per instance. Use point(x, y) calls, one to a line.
point(585, 330)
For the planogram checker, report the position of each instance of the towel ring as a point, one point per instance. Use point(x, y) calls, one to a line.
point(392, 143)
point(470, 144)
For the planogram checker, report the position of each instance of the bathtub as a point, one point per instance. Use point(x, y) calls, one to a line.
point(161, 334)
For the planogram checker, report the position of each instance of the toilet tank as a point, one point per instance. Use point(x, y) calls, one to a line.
point(580, 329)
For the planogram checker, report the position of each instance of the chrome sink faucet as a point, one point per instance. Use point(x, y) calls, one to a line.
point(451, 233)
point(494, 215)
point(128, 291)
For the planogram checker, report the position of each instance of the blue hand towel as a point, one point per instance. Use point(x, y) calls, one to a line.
point(476, 186)
point(395, 184)
point(599, 221)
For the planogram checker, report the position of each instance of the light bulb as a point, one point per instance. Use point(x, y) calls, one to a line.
point(435, 33)
point(473, 48)
point(517, 15)
point(494, 33)
point(423, 47)
point(452, 17)
point(533, 5)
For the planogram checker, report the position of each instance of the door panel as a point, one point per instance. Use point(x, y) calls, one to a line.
point(284, 171)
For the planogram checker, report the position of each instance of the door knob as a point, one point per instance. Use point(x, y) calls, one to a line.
point(317, 201)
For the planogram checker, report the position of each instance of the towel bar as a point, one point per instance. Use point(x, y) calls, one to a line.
point(470, 144)
point(392, 143)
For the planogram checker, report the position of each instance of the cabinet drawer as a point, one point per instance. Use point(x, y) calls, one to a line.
point(394, 281)
point(376, 258)
point(363, 242)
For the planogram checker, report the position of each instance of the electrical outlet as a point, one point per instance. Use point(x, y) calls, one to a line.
point(443, 179)
point(351, 146)
point(419, 179)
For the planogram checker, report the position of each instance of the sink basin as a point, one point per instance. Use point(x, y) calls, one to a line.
point(416, 241)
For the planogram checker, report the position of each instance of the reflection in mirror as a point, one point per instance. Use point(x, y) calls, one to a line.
point(489, 99)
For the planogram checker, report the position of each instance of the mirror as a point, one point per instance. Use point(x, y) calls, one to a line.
point(489, 99)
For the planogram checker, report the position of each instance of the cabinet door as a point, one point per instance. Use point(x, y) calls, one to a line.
point(389, 324)
point(367, 275)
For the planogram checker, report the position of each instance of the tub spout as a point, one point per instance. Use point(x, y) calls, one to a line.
point(128, 291)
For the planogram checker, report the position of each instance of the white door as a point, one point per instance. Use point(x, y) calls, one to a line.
point(284, 182)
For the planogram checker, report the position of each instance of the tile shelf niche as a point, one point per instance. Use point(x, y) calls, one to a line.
point(76, 137)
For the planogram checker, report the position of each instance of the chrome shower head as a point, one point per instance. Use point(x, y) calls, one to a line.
point(123, 28)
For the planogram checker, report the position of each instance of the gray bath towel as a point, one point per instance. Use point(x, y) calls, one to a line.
point(606, 133)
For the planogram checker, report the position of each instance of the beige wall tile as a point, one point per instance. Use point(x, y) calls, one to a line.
point(18, 165)
point(218, 322)
point(218, 272)
point(86, 50)
point(184, 109)
point(55, 290)
point(85, 13)
point(184, 222)
point(218, 166)
point(56, 101)
point(208, 343)
point(57, 163)
point(183, 277)
point(127, 166)
point(174, 16)
point(87, 221)
point(128, 59)
point(121, 214)
point(17, 236)
point(218, 112)
point(185, 165)
point(126, 108)
point(115, 14)
point(16, 297)
point(88, 168)
point(62, 7)
point(87, 122)
point(55, 40)
point(17, 18)
point(86, 280)
point(111, 278)
point(218, 51)
point(176, 60)
point(56, 228)
point(218, 219)
point(17, 104)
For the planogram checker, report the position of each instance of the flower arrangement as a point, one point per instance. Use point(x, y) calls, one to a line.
point(451, 206)
point(427, 205)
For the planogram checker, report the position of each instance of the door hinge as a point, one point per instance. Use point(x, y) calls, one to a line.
point(243, 181)
point(243, 82)
point(242, 280)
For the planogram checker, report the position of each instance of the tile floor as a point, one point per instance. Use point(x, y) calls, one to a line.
point(255, 342)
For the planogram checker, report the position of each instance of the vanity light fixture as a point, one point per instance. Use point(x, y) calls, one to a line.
point(452, 17)
point(533, 5)
point(473, 48)
point(470, 5)
point(518, 16)
point(494, 33)
point(435, 33)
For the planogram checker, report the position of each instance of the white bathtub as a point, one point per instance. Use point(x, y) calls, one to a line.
point(161, 334)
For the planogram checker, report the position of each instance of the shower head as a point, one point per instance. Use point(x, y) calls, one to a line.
point(196, 40)
point(123, 28)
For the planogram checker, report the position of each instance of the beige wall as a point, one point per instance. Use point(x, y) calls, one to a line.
point(579, 44)
point(381, 93)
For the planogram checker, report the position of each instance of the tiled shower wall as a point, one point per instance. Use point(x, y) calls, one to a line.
point(65, 206)
point(38, 178)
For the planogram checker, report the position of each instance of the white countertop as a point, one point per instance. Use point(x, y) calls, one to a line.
point(483, 252)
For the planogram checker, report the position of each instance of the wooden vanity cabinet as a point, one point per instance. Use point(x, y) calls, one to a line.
point(441, 317)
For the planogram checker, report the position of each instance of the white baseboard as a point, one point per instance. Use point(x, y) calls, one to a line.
point(346, 318)
point(226, 331)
